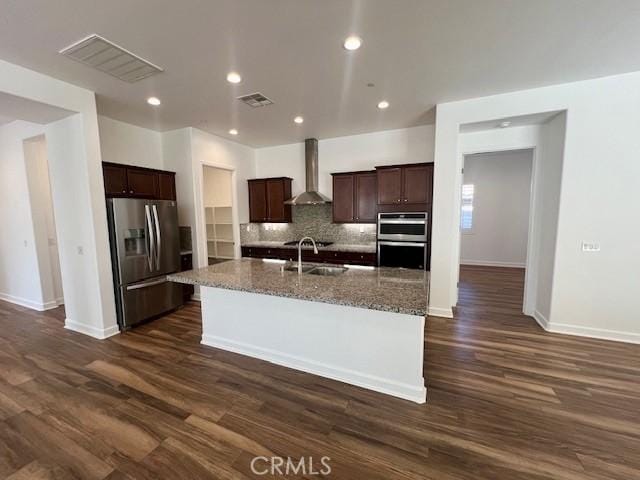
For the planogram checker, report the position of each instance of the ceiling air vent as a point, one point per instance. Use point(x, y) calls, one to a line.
point(106, 56)
point(255, 100)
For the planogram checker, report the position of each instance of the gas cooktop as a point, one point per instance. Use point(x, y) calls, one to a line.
point(307, 243)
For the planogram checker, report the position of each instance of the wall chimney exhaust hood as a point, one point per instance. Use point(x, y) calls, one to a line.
point(311, 195)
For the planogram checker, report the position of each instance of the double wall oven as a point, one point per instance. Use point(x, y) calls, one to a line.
point(402, 239)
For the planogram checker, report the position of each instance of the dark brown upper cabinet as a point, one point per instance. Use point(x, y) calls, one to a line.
point(266, 200)
point(417, 184)
point(142, 183)
point(366, 192)
point(389, 186)
point(138, 182)
point(167, 186)
point(410, 185)
point(354, 197)
point(115, 180)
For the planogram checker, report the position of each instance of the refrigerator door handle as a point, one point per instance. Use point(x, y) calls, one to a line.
point(151, 245)
point(147, 284)
point(158, 237)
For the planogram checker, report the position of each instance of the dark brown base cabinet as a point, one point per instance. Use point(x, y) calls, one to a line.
point(323, 256)
point(354, 197)
point(186, 263)
point(266, 200)
point(138, 182)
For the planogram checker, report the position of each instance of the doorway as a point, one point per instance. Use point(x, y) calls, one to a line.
point(217, 199)
point(44, 224)
point(495, 219)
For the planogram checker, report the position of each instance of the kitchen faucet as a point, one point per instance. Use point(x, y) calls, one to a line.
point(315, 251)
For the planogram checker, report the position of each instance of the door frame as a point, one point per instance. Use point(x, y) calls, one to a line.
point(531, 262)
point(201, 230)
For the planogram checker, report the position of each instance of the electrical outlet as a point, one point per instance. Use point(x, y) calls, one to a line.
point(80, 250)
point(590, 247)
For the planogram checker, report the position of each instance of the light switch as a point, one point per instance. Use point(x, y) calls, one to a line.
point(590, 247)
point(80, 250)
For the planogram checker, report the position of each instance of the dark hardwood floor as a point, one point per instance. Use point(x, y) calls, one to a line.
point(505, 401)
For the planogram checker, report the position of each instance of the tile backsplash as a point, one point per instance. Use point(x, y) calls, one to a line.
point(309, 220)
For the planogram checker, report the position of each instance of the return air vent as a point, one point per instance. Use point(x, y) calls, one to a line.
point(255, 100)
point(106, 56)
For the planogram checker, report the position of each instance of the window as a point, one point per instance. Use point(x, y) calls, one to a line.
point(466, 216)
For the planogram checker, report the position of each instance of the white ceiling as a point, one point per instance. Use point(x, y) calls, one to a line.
point(4, 120)
point(519, 121)
point(416, 52)
point(18, 108)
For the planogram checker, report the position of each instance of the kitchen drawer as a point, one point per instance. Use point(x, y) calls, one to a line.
point(351, 258)
point(323, 256)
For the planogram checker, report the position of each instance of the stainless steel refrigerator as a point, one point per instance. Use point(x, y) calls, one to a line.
point(145, 247)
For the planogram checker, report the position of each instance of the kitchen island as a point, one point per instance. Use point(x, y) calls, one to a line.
point(363, 327)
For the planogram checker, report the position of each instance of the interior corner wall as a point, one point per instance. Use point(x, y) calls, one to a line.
point(593, 294)
point(73, 150)
point(20, 280)
point(37, 169)
point(82, 229)
point(502, 185)
point(550, 155)
point(220, 152)
point(128, 144)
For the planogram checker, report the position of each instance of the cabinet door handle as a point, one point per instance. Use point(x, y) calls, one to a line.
point(130, 191)
point(406, 200)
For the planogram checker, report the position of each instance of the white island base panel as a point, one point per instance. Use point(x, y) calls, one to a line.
point(380, 351)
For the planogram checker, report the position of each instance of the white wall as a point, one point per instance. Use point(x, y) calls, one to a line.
point(502, 184)
point(593, 294)
point(185, 151)
point(19, 269)
point(216, 183)
point(347, 154)
point(37, 169)
point(121, 142)
point(547, 198)
point(73, 150)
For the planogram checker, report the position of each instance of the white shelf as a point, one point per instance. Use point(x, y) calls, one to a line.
point(219, 231)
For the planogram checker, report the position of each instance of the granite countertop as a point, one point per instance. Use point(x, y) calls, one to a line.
point(335, 247)
point(387, 289)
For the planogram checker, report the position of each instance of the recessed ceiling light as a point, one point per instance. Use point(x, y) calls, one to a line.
point(155, 101)
point(233, 131)
point(383, 104)
point(234, 77)
point(504, 124)
point(298, 119)
point(352, 42)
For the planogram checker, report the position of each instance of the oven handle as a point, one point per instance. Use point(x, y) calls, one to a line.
point(403, 244)
point(403, 222)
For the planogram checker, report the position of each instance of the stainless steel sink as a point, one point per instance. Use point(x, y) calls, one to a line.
point(327, 271)
point(293, 267)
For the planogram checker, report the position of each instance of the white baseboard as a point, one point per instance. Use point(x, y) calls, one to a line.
point(599, 333)
point(25, 302)
point(490, 263)
point(99, 333)
point(389, 387)
point(440, 312)
point(196, 297)
point(541, 319)
point(580, 331)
